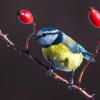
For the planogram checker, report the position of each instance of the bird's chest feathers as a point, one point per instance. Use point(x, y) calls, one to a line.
point(56, 52)
point(62, 56)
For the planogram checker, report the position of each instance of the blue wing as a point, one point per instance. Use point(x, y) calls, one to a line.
point(76, 48)
point(79, 49)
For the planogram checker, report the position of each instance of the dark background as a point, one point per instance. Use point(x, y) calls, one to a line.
point(21, 79)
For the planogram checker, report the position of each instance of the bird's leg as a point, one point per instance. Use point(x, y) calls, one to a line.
point(71, 81)
point(50, 71)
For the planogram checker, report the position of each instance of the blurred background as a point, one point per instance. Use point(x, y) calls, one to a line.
point(22, 79)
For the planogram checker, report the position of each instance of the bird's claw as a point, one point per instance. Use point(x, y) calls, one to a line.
point(50, 71)
point(70, 84)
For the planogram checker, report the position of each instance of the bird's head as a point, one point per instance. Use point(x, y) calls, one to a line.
point(48, 36)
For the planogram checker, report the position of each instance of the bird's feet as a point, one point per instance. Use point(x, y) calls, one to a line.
point(50, 71)
point(70, 84)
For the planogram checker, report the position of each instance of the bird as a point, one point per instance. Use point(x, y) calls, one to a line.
point(63, 52)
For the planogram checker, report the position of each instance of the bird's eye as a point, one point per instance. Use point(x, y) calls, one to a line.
point(44, 34)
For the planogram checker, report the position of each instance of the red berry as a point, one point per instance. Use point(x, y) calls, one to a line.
point(94, 17)
point(25, 16)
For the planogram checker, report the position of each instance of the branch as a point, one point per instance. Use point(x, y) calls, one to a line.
point(74, 87)
point(86, 65)
point(53, 74)
point(30, 36)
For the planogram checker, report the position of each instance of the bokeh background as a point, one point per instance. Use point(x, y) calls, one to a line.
point(22, 79)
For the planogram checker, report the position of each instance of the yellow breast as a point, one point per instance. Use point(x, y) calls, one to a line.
point(62, 55)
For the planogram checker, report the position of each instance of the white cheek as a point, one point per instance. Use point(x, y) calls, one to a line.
point(51, 38)
point(48, 39)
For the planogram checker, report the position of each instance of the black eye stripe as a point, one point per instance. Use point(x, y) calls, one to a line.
point(44, 34)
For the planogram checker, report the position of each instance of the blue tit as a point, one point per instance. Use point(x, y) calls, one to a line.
point(61, 51)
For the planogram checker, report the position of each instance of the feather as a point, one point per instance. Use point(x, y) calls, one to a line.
point(62, 58)
point(77, 48)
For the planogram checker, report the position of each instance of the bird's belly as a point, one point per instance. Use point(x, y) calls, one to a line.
point(63, 59)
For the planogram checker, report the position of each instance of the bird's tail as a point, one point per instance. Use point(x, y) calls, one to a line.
point(87, 56)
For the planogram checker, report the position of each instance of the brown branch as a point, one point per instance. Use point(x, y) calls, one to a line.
point(53, 74)
point(86, 65)
point(30, 36)
point(74, 87)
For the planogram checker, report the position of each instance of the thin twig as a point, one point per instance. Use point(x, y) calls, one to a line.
point(53, 74)
point(86, 65)
point(30, 36)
